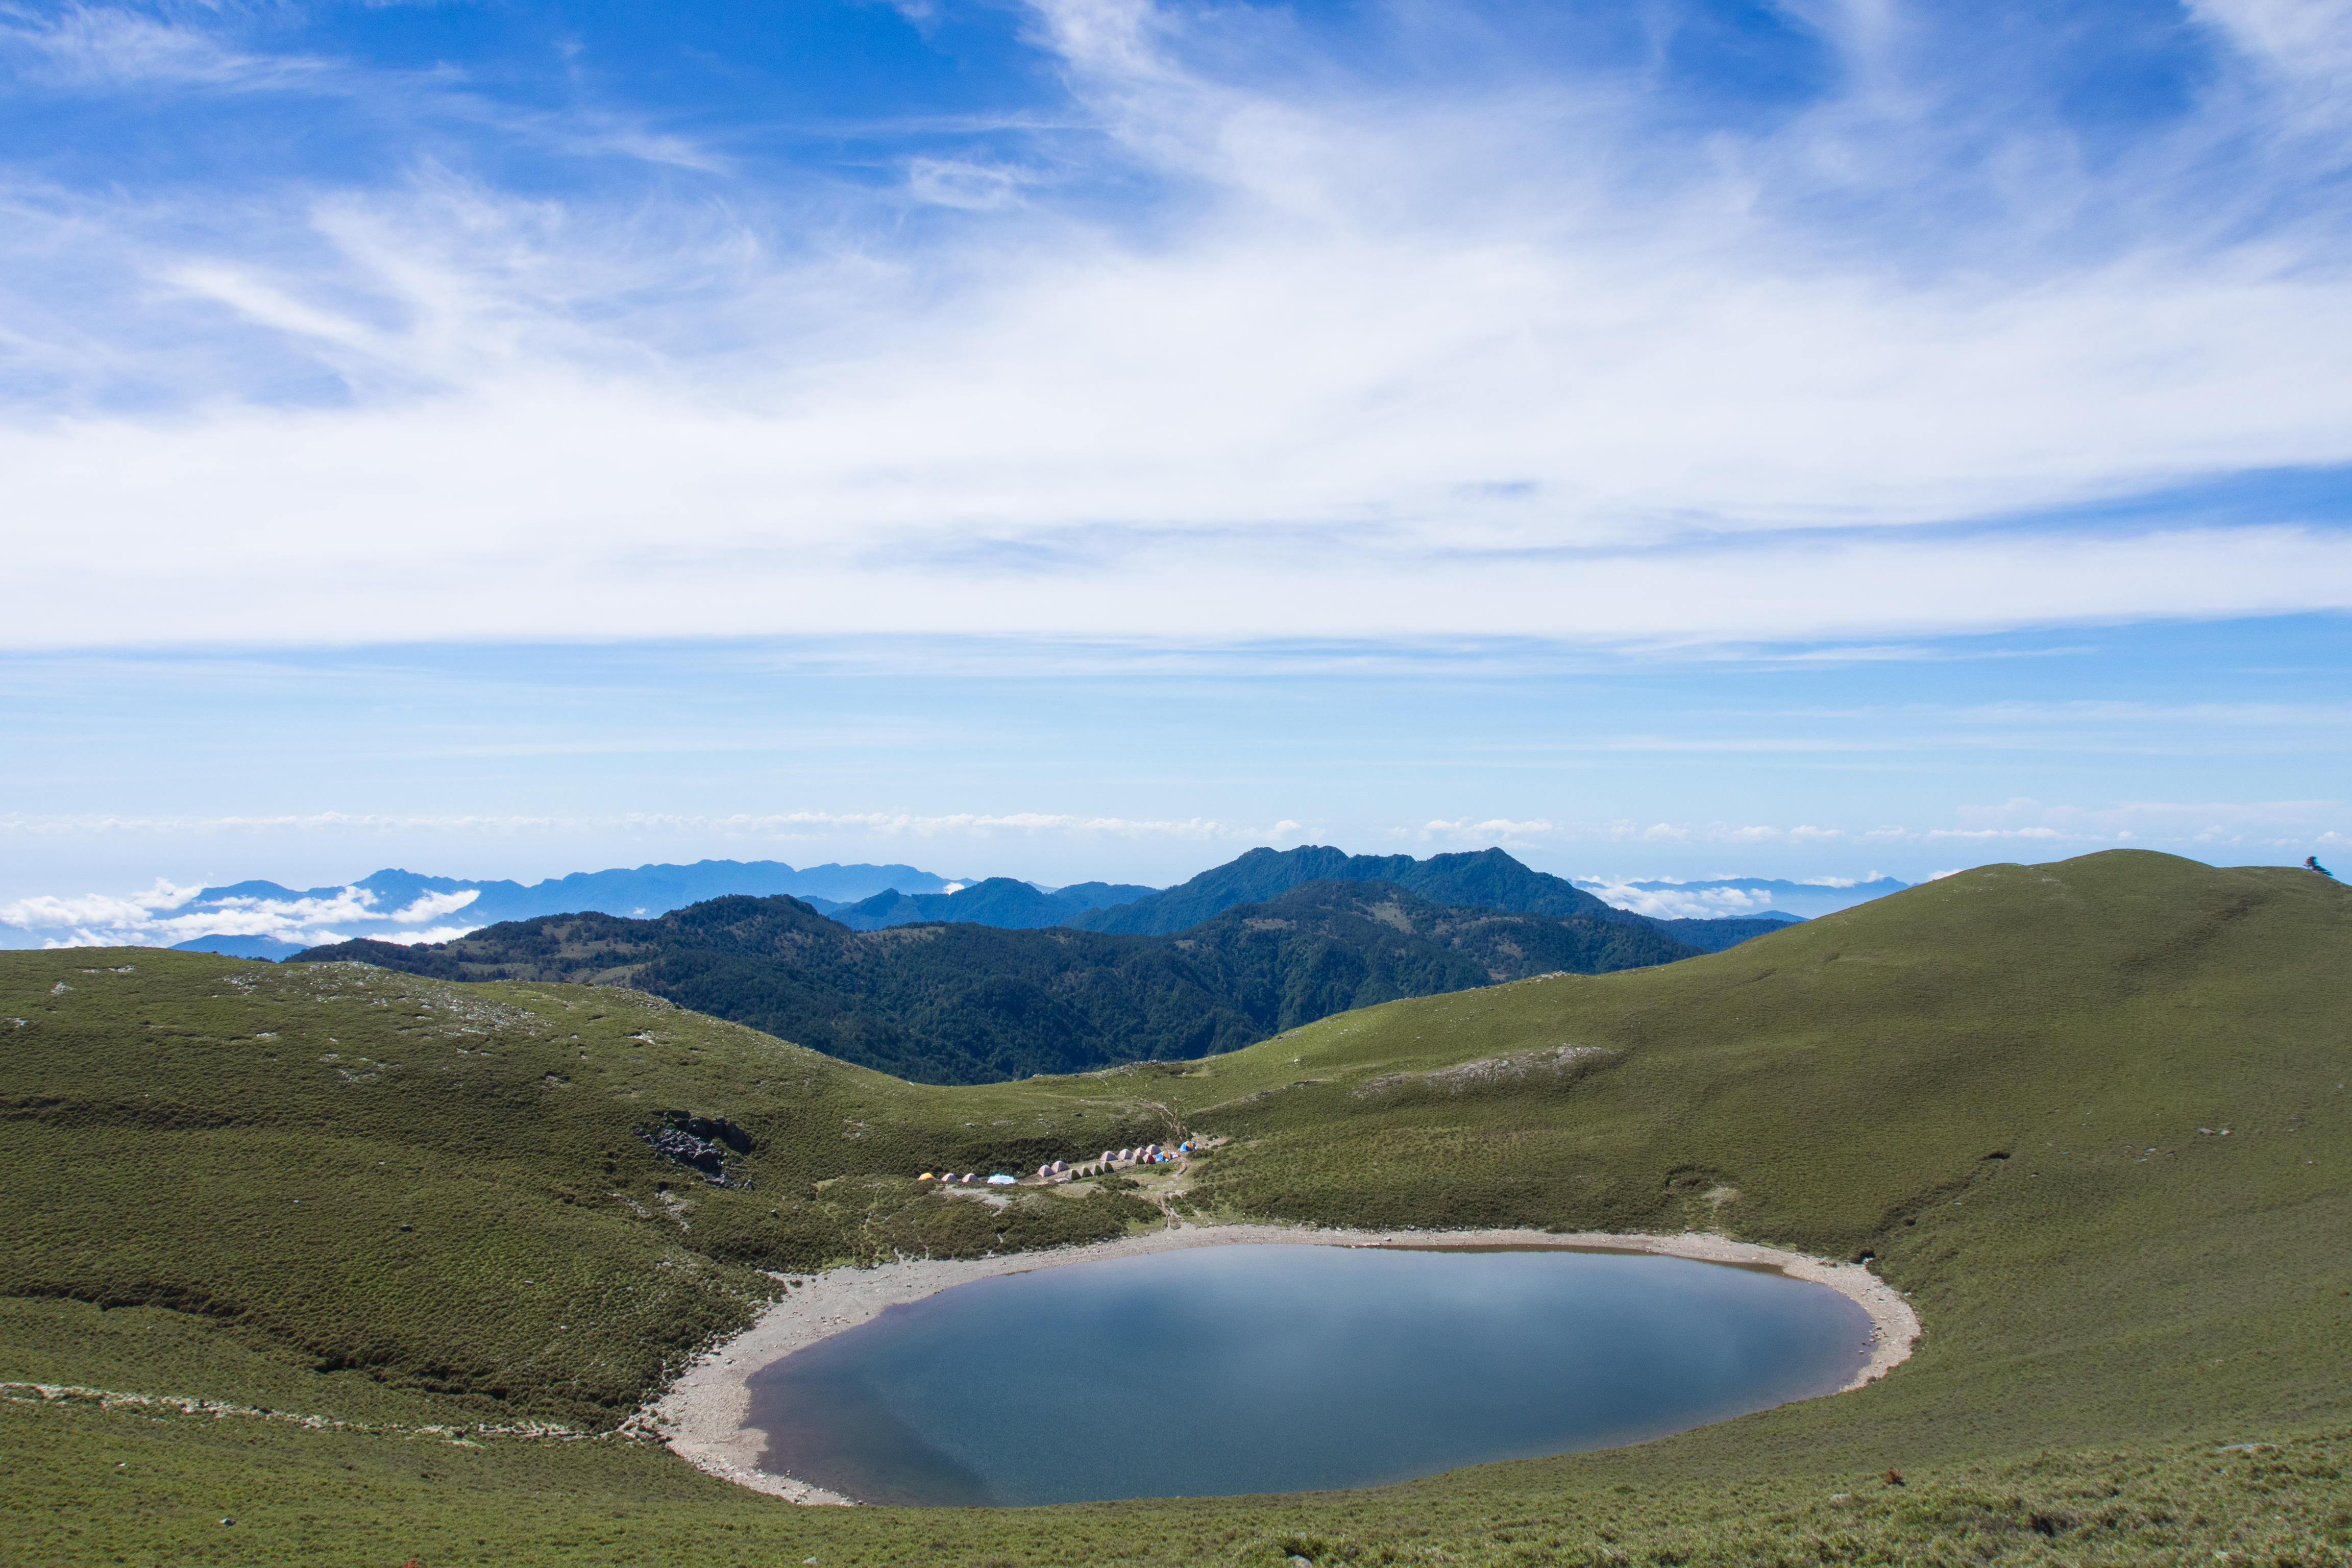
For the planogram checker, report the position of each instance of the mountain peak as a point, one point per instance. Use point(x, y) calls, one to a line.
point(1483, 878)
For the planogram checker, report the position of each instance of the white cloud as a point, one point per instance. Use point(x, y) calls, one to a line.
point(1411, 364)
point(410, 938)
point(159, 916)
point(783, 825)
point(101, 46)
point(2307, 39)
point(895, 824)
point(65, 824)
point(429, 906)
point(1493, 830)
point(959, 182)
point(2195, 826)
point(1677, 904)
point(780, 548)
point(2183, 825)
point(95, 910)
point(162, 918)
point(2257, 828)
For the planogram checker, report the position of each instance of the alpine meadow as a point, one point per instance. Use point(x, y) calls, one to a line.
point(375, 1265)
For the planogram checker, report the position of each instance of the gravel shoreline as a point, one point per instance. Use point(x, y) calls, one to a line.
point(702, 1416)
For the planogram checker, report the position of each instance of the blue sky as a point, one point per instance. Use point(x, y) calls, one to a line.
point(1082, 438)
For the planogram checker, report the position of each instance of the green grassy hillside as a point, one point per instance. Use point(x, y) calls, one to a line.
point(440, 1186)
point(1994, 1085)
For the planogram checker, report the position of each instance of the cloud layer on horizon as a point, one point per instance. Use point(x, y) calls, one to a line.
point(1244, 323)
point(163, 915)
point(2022, 829)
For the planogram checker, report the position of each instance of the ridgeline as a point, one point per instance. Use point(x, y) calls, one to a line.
point(1486, 879)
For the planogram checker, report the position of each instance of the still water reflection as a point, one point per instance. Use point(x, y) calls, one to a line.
point(1253, 1369)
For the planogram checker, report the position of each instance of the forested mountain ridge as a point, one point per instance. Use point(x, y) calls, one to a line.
point(996, 901)
point(970, 1004)
point(1489, 880)
point(394, 904)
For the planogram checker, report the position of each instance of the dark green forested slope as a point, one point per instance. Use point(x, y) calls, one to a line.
point(971, 1004)
point(1488, 878)
point(2090, 1115)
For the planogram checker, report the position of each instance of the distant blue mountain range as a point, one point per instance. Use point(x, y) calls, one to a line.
point(1751, 896)
point(395, 905)
point(998, 901)
point(263, 919)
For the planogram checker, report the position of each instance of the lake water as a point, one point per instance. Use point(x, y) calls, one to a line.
point(1257, 1369)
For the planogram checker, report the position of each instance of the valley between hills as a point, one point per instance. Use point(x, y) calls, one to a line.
point(384, 1265)
point(965, 1003)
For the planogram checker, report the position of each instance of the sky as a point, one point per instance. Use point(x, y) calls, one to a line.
point(1085, 439)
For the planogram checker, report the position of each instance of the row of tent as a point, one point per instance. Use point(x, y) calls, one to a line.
point(1149, 1154)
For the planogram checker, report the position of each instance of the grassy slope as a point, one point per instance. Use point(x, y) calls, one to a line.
point(2099, 1315)
point(248, 1141)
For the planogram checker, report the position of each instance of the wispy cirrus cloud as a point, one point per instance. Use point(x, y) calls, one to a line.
point(1464, 323)
point(106, 46)
point(2306, 42)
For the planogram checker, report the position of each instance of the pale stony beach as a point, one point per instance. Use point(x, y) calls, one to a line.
point(702, 1417)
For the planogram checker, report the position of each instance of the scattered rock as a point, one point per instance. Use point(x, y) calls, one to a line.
point(1489, 1072)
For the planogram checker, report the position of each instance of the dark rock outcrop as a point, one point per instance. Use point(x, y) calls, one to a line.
point(698, 1143)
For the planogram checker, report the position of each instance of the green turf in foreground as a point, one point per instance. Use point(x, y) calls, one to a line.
point(2107, 1307)
point(90, 1485)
